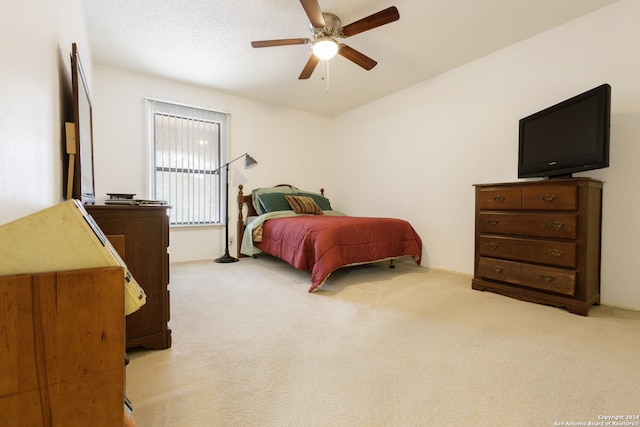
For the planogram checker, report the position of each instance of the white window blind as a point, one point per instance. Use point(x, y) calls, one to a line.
point(187, 146)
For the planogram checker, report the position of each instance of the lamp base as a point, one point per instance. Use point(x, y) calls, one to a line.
point(226, 258)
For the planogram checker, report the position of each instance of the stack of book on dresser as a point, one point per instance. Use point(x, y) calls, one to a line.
point(129, 199)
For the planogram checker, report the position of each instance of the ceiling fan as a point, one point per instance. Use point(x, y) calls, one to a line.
point(326, 28)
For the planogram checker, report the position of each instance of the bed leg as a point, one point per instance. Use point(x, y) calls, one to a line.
point(391, 264)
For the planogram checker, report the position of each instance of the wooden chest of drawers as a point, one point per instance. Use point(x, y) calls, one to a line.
point(146, 240)
point(539, 241)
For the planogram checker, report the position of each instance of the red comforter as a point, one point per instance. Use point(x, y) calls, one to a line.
point(323, 243)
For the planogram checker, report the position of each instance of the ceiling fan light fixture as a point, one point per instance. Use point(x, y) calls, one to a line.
point(325, 48)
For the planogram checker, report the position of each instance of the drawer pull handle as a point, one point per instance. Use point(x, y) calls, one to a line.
point(556, 225)
point(497, 269)
point(493, 222)
point(492, 245)
point(549, 198)
point(556, 253)
point(546, 278)
point(499, 199)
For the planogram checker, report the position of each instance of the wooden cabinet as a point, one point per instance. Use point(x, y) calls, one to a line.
point(62, 357)
point(146, 240)
point(539, 241)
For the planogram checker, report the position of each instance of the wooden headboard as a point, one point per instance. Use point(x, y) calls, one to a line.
point(246, 200)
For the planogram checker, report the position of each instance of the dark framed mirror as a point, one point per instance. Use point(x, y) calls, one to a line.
point(83, 179)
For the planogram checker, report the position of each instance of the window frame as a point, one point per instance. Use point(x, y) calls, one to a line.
point(154, 106)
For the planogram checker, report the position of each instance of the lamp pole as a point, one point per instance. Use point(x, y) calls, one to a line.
point(248, 163)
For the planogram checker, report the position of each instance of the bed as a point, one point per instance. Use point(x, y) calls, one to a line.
point(302, 228)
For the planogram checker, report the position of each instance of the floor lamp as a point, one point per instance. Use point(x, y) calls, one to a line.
point(249, 162)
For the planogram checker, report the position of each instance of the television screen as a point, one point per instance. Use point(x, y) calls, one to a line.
point(83, 179)
point(568, 137)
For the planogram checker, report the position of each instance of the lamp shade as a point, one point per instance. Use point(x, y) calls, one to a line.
point(249, 162)
point(325, 48)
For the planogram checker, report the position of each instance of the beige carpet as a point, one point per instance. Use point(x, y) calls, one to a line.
point(377, 347)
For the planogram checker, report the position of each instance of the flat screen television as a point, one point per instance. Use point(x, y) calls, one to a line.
point(83, 179)
point(571, 136)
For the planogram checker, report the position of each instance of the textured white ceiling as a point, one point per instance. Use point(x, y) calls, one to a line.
point(207, 43)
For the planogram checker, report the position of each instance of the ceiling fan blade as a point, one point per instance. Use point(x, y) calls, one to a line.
point(372, 21)
point(309, 67)
point(356, 57)
point(312, 9)
point(280, 42)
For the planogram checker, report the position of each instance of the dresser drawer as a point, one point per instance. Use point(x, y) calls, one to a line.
point(500, 198)
point(533, 276)
point(540, 225)
point(561, 254)
point(546, 197)
point(498, 269)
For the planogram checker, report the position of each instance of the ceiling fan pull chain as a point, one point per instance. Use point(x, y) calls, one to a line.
point(327, 76)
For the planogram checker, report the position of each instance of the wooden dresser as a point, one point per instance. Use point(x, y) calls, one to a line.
point(146, 240)
point(539, 241)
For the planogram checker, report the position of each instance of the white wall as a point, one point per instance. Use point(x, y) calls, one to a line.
point(417, 153)
point(35, 99)
point(290, 146)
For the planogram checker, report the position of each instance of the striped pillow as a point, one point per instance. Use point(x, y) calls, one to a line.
point(303, 205)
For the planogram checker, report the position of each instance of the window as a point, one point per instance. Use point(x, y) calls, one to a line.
point(187, 145)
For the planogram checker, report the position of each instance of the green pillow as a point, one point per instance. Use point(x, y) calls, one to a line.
point(259, 191)
point(273, 202)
